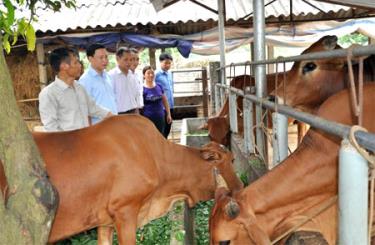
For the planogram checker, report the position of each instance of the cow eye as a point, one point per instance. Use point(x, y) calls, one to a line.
point(310, 66)
point(227, 242)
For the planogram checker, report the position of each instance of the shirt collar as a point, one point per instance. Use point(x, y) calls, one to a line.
point(94, 73)
point(118, 71)
point(60, 83)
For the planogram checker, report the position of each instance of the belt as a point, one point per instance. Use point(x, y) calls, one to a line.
point(132, 111)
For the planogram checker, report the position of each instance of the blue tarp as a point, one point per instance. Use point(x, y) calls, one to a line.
point(110, 40)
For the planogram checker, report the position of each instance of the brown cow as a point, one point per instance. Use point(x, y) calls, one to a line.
point(123, 172)
point(218, 125)
point(307, 85)
point(294, 189)
point(309, 82)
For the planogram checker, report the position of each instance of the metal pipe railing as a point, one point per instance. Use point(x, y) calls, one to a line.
point(366, 140)
point(358, 51)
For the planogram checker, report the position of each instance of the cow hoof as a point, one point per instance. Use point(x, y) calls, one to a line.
point(306, 238)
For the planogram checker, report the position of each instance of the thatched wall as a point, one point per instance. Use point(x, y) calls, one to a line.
point(23, 67)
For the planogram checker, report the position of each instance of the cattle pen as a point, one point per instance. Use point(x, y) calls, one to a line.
point(352, 214)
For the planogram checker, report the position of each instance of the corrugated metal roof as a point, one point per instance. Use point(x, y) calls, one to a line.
point(100, 14)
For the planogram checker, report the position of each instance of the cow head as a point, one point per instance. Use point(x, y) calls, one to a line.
point(218, 129)
point(232, 223)
point(222, 160)
point(311, 82)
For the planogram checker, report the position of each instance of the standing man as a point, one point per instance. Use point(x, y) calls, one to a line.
point(96, 80)
point(138, 76)
point(125, 85)
point(164, 78)
point(64, 104)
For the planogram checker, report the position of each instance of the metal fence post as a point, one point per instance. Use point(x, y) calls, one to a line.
point(214, 79)
point(217, 99)
point(279, 137)
point(205, 91)
point(353, 196)
point(233, 112)
point(248, 124)
point(260, 71)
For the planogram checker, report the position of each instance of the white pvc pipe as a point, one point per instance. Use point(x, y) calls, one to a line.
point(353, 196)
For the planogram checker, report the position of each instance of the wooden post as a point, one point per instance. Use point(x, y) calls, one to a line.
point(151, 53)
point(205, 91)
point(41, 65)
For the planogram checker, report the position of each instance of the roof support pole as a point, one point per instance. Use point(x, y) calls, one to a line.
point(353, 196)
point(221, 25)
point(260, 70)
point(151, 54)
point(41, 65)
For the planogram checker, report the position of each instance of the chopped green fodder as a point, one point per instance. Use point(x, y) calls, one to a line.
point(198, 133)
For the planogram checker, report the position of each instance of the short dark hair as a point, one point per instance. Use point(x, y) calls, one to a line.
point(134, 50)
point(146, 68)
point(120, 51)
point(90, 51)
point(165, 56)
point(60, 55)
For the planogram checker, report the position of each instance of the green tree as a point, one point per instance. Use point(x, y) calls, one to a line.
point(354, 38)
point(27, 212)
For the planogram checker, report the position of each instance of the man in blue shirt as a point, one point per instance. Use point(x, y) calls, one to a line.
point(164, 78)
point(96, 80)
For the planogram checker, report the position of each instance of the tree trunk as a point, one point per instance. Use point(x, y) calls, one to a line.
point(27, 213)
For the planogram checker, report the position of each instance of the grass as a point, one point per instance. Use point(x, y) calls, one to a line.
point(157, 232)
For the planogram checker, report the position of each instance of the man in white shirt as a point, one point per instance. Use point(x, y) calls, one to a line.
point(138, 75)
point(124, 82)
point(64, 104)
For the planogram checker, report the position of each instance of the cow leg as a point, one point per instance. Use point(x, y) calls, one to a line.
point(306, 238)
point(126, 225)
point(105, 235)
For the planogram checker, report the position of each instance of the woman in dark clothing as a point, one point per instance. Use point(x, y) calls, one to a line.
point(155, 101)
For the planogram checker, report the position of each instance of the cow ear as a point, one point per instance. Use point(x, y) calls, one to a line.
point(330, 42)
point(210, 155)
point(232, 209)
